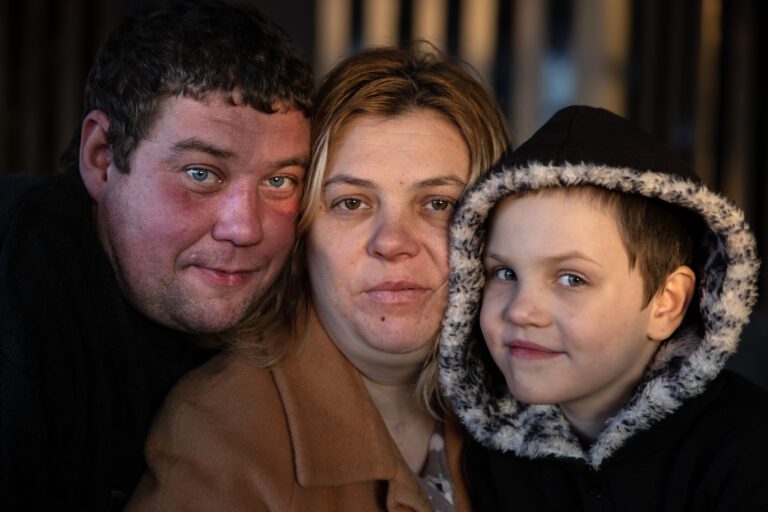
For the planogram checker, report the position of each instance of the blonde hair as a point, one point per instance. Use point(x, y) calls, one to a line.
point(384, 82)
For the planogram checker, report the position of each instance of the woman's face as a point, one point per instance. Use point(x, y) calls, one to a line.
point(377, 251)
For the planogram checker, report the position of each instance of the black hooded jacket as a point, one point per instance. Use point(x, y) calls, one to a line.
point(81, 372)
point(692, 435)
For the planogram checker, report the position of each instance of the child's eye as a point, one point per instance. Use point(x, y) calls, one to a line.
point(505, 274)
point(571, 280)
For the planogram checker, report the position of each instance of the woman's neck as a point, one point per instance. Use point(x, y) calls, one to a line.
point(406, 418)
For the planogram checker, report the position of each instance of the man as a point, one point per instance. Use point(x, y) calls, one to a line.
point(172, 221)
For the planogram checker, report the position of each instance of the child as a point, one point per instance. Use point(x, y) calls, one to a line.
point(614, 286)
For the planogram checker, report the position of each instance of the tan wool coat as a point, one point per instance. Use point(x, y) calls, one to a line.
point(304, 436)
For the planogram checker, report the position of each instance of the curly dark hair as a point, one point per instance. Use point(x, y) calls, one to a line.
point(190, 48)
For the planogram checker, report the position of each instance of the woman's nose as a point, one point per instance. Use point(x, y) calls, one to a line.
point(393, 236)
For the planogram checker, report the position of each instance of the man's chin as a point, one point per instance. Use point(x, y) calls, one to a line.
point(202, 318)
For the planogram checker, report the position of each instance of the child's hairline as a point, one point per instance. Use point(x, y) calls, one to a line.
point(609, 200)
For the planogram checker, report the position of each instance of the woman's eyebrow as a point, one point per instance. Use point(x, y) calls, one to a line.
point(358, 182)
point(349, 180)
point(439, 181)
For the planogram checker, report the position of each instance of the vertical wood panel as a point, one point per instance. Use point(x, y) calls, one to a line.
point(707, 90)
point(737, 110)
point(5, 113)
point(478, 35)
point(69, 65)
point(380, 25)
point(430, 21)
point(31, 65)
point(601, 50)
point(332, 33)
point(529, 49)
point(502, 69)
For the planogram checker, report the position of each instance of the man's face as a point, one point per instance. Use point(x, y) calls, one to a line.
point(563, 314)
point(201, 224)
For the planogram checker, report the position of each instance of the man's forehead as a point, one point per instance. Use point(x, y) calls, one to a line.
point(184, 115)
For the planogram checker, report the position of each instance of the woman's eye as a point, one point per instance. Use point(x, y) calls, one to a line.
point(505, 274)
point(350, 203)
point(571, 280)
point(277, 181)
point(201, 175)
point(440, 204)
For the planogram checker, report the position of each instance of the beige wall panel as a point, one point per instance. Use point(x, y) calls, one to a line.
point(429, 21)
point(381, 22)
point(529, 47)
point(478, 35)
point(332, 33)
point(601, 46)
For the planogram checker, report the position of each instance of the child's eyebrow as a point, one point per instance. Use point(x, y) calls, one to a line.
point(571, 255)
point(493, 256)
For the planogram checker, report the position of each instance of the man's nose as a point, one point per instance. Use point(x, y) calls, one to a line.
point(239, 217)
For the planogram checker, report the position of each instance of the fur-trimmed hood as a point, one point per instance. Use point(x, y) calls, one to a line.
point(589, 146)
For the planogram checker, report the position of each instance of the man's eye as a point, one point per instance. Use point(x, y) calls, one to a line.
point(201, 175)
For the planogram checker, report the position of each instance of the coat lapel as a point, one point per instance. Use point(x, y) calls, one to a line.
point(338, 435)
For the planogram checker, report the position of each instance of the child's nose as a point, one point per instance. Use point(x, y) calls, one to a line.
point(526, 307)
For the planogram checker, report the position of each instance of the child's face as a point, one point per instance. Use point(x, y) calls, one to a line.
point(563, 315)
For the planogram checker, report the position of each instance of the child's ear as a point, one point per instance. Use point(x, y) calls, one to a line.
point(95, 153)
point(669, 305)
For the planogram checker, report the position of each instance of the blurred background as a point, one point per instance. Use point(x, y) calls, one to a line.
point(691, 72)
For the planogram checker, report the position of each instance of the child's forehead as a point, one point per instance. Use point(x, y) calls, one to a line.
point(600, 200)
point(575, 217)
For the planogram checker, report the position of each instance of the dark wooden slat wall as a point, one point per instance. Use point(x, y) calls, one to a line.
point(46, 48)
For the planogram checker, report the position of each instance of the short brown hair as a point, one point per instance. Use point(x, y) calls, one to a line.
point(194, 49)
point(658, 236)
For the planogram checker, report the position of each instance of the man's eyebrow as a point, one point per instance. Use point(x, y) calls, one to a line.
point(297, 161)
point(200, 146)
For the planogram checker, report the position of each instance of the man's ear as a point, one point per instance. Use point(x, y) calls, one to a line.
point(95, 153)
point(669, 305)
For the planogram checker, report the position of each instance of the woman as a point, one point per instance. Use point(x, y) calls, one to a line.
point(330, 409)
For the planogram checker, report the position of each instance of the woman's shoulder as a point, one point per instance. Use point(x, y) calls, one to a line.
point(222, 424)
point(228, 383)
